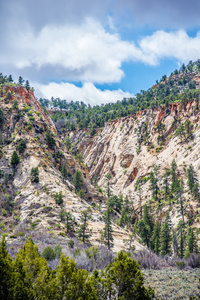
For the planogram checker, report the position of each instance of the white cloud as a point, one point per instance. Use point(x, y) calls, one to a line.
point(83, 53)
point(176, 45)
point(88, 93)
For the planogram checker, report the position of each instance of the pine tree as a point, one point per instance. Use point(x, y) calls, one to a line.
point(83, 231)
point(20, 80)
point(1, 117)
point(180, 198)
point(10, 79)
point(27, 85)
point(14, 159)
point(191, 242)
point(166, 183)
point(69, 222)
point(77, 180)
point(108, 177)
point(51, 143)
point(174, 178)
point(58, 198)
point(108, 237)
point(154, 183)
point(182, 244)
point(64, 172)
point(156, 238)
point(165, 237)
point(193, 182)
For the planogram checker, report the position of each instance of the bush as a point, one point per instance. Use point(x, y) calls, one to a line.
point(21, 146)
point(148, 260)
point(71, 244)
point(49, 253)
point(35, 175)
point(193, 260)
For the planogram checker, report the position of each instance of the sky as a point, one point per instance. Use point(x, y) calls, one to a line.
point(96, 51)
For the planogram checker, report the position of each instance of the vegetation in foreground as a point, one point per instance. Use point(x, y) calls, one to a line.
point(29, 277)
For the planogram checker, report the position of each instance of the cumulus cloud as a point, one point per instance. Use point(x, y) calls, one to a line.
point(176, 45)
point(88, 93)
point(82, 53)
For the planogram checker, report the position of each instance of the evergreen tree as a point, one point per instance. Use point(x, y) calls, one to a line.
point(144, 232)
point(188, 127)
point(108, 177)
point(156, 238)
point(191, 242)
point(180, 198)
point(51, 143)
point(123, 280)
point(182, 243)
point(77, 180)
point(174, 178)
point(58, 198)
point(20, 80)
point(1, 117)
point(154, 183)
point(27, 85)
point(64, 172)
point(125, 218)
point(69, 222)
point(83, 231)
point(108, 237)
point(35, 175)
point(192, 182)
point(166, 183)
point(165, 237)
point(6, 272)
point(10, 79)
point(14, 159)
point(138, 188)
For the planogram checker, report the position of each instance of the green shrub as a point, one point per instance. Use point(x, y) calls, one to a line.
point(71, 244)
point(49, 253)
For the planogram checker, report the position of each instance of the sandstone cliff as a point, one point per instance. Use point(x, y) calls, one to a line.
point(27, 206)
point(130, 147)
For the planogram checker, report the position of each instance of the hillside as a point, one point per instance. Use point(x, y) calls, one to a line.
point(30, 186)
point(131, 147)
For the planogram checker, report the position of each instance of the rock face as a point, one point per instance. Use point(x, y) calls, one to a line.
point(26, 205)
point(130, 147)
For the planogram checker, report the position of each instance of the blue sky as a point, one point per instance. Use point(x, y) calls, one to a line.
point(96, 51)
